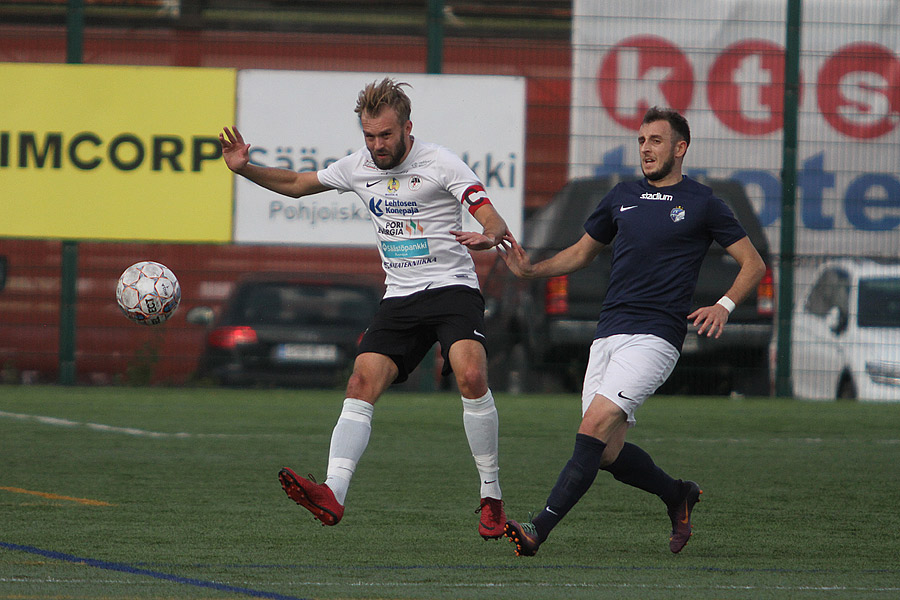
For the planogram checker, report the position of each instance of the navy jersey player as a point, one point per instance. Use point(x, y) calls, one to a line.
point(415, 193)
point(660, 229)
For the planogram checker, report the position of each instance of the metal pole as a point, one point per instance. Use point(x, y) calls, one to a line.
point(69, 263)
point(67, 304)
point(783, 386)
point(74, 31)
point(435, 26)
point(434, 21)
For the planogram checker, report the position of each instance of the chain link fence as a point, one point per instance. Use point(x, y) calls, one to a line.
point(589, 69)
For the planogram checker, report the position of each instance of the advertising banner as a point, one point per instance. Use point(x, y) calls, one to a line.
point(114, 153)
point(303, 121)
point(721, 63)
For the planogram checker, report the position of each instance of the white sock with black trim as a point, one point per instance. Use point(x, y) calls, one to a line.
point(348, 442)
point(481, 423)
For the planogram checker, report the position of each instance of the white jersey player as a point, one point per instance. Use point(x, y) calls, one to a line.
point(415, 193)
point(414, 207)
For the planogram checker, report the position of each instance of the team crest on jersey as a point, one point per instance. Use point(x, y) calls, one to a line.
point(393, 185)
point(677, 214)
point(415, 182)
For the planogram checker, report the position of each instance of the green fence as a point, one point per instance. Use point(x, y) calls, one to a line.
point(588, 69)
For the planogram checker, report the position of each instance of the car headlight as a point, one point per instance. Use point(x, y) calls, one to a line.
point(887, 373)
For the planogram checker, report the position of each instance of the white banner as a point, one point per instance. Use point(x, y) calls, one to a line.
point(721, 63)
point(303, 121)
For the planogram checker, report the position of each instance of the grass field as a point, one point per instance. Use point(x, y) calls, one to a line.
point(167, 493)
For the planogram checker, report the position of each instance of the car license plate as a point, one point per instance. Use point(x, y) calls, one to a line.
point(306, 353)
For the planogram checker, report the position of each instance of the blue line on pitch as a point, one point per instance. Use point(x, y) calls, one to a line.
point(125, 568)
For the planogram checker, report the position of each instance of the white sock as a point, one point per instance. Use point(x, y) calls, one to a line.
point(481, 424)
point(348, 442)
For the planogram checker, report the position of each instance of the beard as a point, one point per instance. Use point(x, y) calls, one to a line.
point(386, 163)
point(662, 172)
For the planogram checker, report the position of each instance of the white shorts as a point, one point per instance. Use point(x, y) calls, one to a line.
point(627, 369)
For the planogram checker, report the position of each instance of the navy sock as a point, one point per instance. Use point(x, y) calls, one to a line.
point(635, 467)
point(574, 480)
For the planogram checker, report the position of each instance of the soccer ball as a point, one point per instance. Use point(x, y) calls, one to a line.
point(148, 293)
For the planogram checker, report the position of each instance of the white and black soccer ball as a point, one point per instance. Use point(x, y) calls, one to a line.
point(148, 293)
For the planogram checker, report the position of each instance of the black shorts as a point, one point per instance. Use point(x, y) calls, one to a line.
point(405, 328)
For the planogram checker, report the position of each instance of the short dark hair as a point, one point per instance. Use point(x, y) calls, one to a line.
point(676, 120)
point(384, 94)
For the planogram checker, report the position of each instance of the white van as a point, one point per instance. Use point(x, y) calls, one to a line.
point(846, 333)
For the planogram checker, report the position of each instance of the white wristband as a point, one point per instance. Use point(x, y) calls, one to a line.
point(727, 303)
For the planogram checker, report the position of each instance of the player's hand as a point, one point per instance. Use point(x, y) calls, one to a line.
point(710, 320)
point(473, 241)
point(515, 257)
point(235, 152)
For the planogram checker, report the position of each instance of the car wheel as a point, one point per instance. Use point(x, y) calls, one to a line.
point(846, 389)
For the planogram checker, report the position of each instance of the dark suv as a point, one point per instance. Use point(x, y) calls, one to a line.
point(283, 329)
point(540, 331)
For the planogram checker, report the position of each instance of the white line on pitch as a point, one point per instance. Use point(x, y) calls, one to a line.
point(57, 422)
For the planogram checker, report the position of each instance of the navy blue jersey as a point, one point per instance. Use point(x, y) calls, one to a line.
point(659, 237)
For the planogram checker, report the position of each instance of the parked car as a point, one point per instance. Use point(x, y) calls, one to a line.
point(282, 329)
point(539, 331)
point(846, 333)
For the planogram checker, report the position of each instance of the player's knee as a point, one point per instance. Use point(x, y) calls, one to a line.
point(602, 419)
point(591, 424)
point(372, 374)
point(355, 384)
point(472, 381)
point(361, 386)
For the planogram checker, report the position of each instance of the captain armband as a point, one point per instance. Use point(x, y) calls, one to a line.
point(474, 198)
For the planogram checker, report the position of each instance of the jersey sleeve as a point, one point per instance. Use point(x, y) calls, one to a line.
point(337, 175)
point(723, 225)
point(600, 225)
point(458, 177)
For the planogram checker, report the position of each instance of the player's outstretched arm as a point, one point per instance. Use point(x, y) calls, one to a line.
point(236, 153)
point(575, 257)
point(515, 257)
point(710, 320)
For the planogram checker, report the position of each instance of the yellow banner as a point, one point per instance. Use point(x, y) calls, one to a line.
point(115, 153)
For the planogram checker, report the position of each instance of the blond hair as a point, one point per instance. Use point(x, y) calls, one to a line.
point(376, 96)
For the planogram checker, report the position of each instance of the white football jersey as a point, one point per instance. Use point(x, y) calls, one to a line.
point(413, 208)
